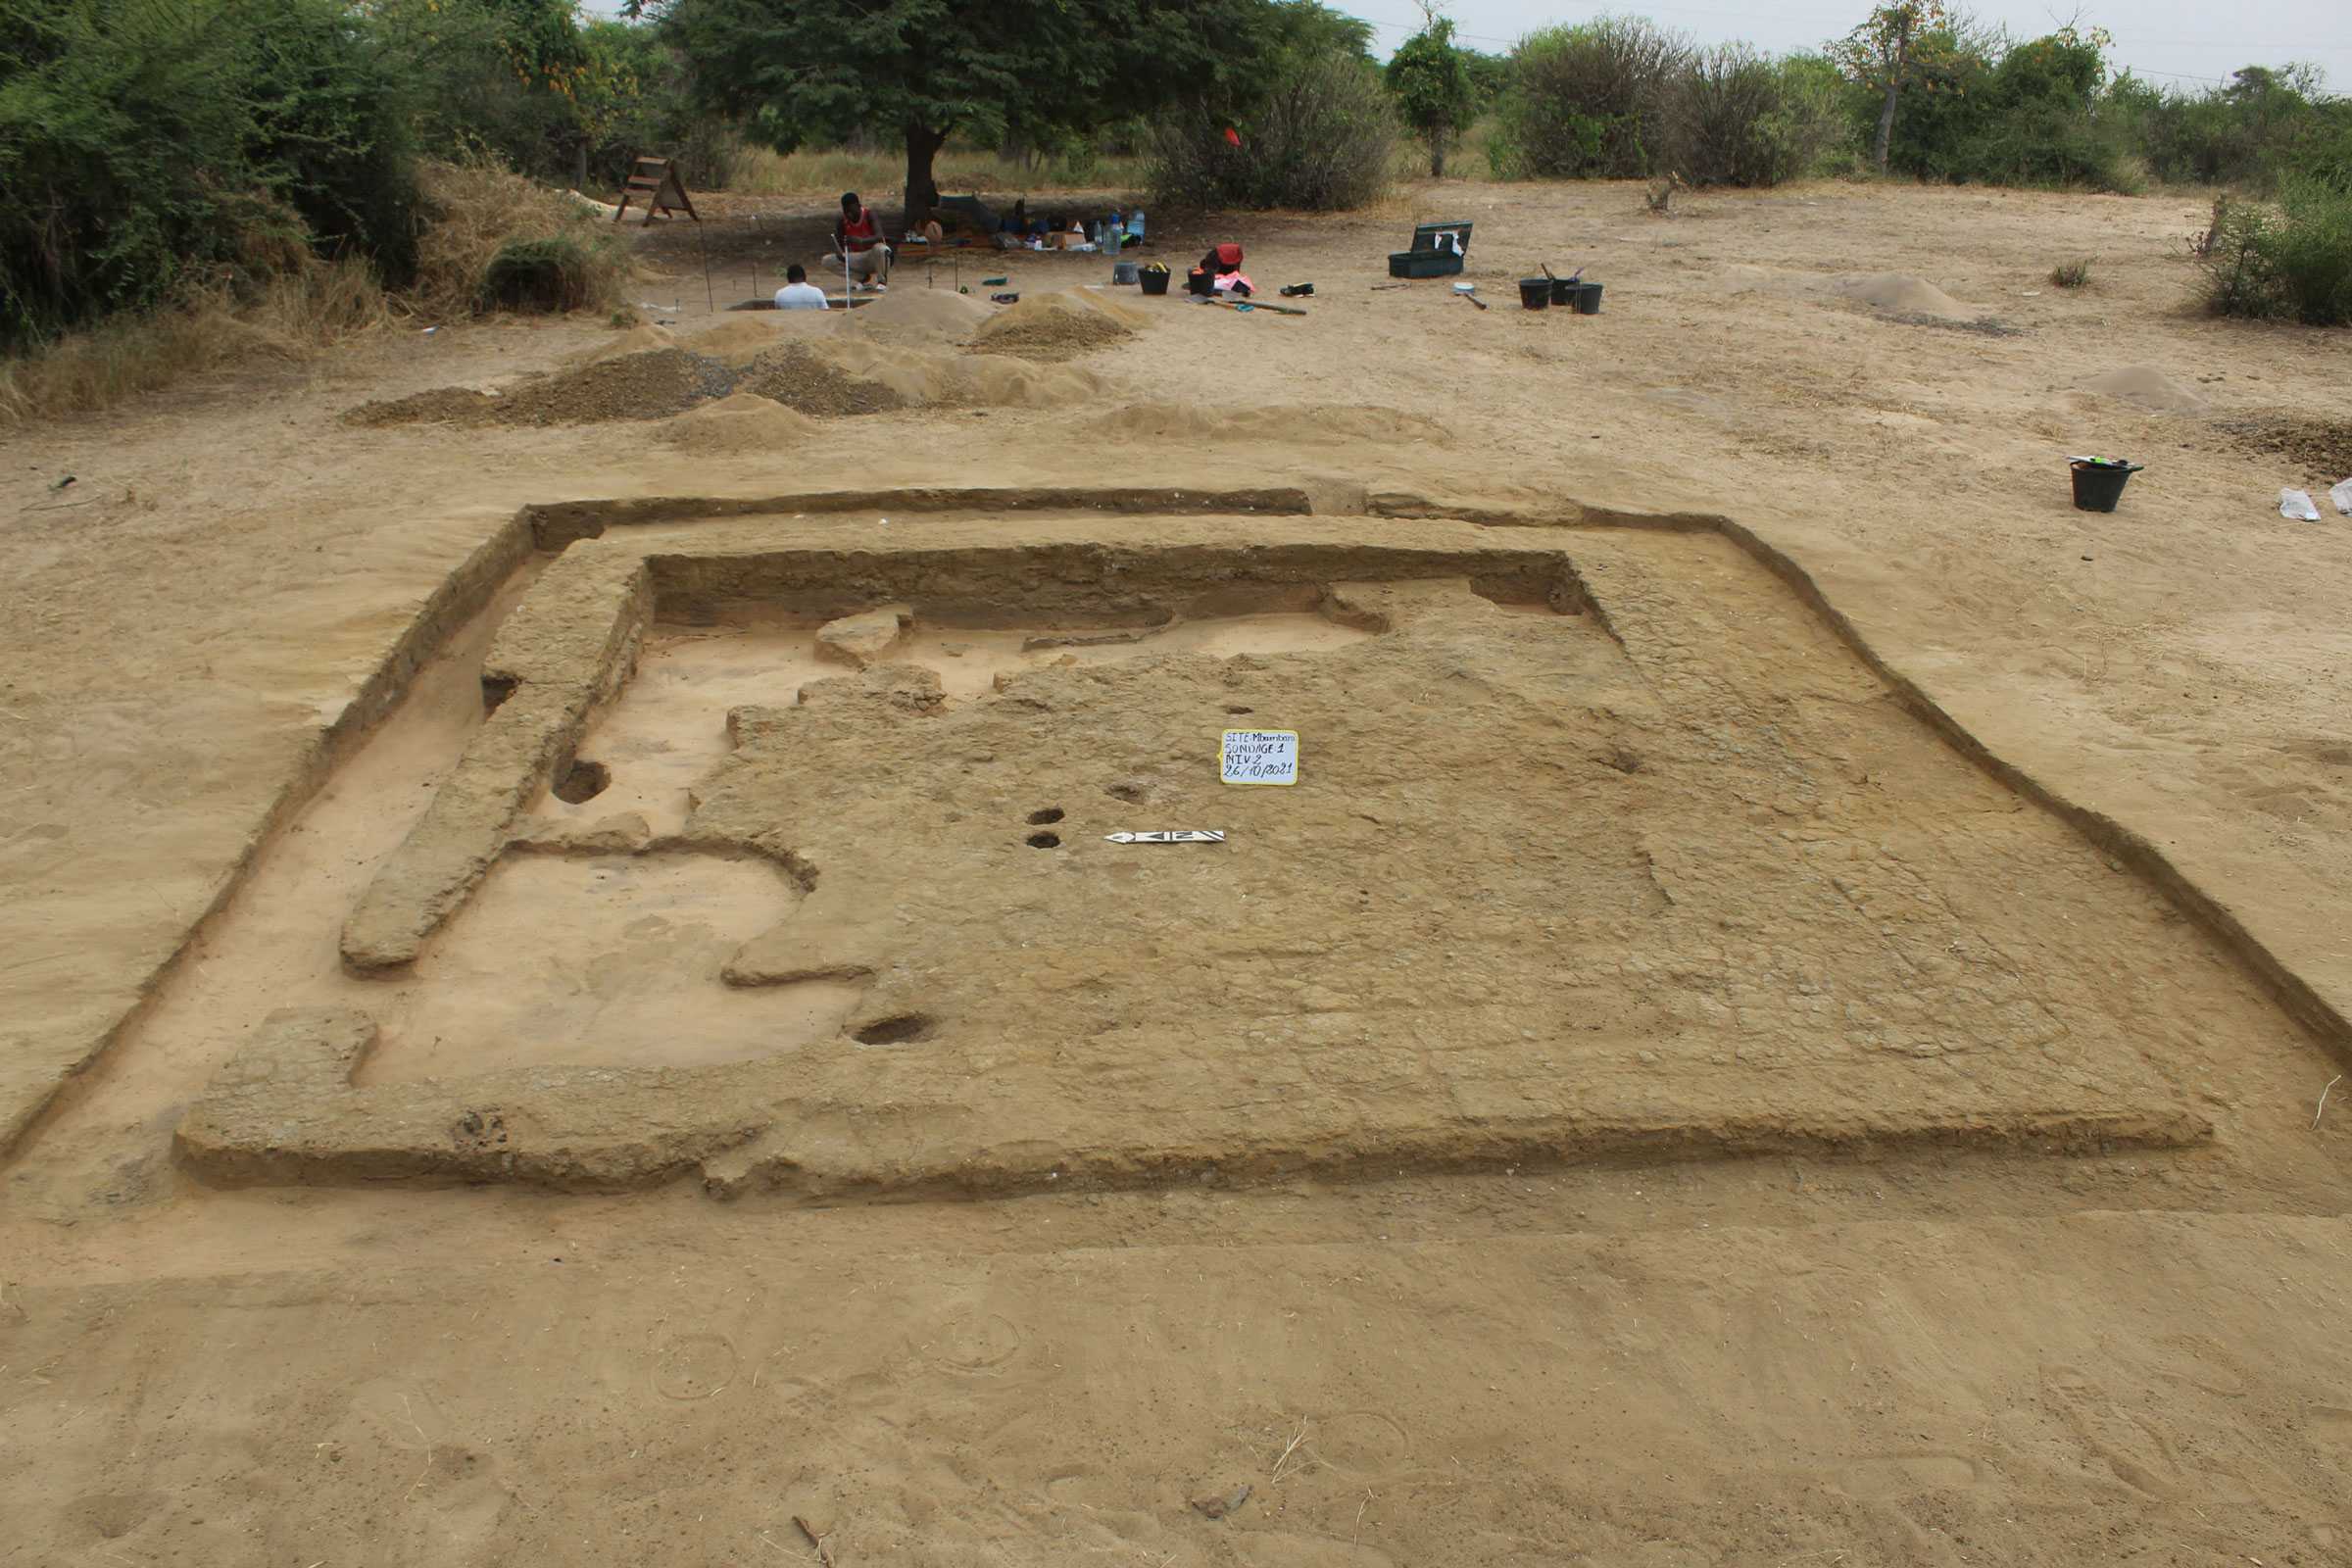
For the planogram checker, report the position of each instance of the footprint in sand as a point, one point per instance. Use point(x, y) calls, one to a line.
point(2332, 1424)
point(973, 1346)
point(693, 1366)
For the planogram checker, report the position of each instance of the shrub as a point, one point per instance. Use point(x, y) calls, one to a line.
point(479, 212)
point(1734, 118)
point(2291, 263)
point(1323, 139)
point(1586, 101)
point(492, 78)
point(150, 147)
point(535, 275)
point(2071, 274)
point(1435, 95)
point(330, 131)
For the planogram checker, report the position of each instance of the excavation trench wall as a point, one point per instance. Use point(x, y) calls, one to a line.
point(32, 1086)
point(35, 1084)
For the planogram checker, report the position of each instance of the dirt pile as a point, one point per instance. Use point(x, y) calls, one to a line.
point(825, 375)
point(443, 404)
point(913, 314)
point(1059, 326)
point(1900, 293)
point(643, 338)
point(799, 376)
point(740, 423)
point(635, 386)
point(741, 339)
point(1292, 423)
point(849, 374)
point(2323, 447)
point(2148, 386)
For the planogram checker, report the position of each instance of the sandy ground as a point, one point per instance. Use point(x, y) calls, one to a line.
point(1922, 1359)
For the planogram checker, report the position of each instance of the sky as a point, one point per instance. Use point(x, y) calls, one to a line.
point(2192, 43)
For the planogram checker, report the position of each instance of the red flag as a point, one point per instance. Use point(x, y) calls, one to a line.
point(1232, 135)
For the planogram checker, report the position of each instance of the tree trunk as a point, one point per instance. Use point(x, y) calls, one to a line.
point(1898, 68)
point(1436, 156)
point(922, 194)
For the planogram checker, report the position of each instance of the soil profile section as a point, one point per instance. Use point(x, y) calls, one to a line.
point(555, 524)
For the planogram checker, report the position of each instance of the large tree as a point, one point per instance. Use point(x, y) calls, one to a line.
point(800, 72)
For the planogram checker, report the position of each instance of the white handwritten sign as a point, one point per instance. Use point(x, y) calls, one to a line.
point(1259, 757)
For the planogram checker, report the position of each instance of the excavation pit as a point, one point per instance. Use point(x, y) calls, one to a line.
point(1604, 847)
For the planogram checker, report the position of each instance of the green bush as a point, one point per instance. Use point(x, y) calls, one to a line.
point(331, 130)
point(536, 274)
point(2290, 263)
point(1734, 118)
point(1323, 139)
point(1587, 101)
point(147, 146)
point(2039, 121)
point(2324, 153)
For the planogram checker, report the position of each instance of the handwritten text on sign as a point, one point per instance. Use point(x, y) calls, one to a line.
point(1259, 757)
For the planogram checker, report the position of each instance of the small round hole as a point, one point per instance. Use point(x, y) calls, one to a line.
point(1044, 841)
point(583, 781)
point(1133, 794)
point(1051, 813)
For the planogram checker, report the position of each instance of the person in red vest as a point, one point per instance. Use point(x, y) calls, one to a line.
point(858, 242)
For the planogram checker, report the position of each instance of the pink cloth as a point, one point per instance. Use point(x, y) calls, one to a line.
point(1226, 280)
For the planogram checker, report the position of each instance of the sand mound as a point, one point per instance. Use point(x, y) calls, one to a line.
point(741, 422)
point(2148, 386)
point(849, 375)
point(639, 386)
point(1058, 325)
point(800, 377)
point(643, 338)
point(823, 374)
point(1899, 292)
point(635, 386)
point(741, 339)
point(1291, 424)
point(909, 311)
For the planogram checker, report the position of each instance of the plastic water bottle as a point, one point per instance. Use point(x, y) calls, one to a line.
point(1135, 223)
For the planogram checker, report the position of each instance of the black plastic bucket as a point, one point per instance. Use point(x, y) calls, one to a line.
point(1563, 292)
point(1534, 292)
point(2098, 486)
point(1588, 298)
point(1155, 283)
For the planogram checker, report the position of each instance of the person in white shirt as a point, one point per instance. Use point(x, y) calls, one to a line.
point(798, 293)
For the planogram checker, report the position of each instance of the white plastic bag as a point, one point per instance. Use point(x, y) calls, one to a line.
point(2342, 495)
point(2296, 504)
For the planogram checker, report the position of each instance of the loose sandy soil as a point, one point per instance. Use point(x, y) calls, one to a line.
point(1643, 1099)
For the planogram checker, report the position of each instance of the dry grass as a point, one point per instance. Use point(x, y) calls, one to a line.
point(757, 172)
point(475, 209)
point(299, 312)
point(309, 305)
